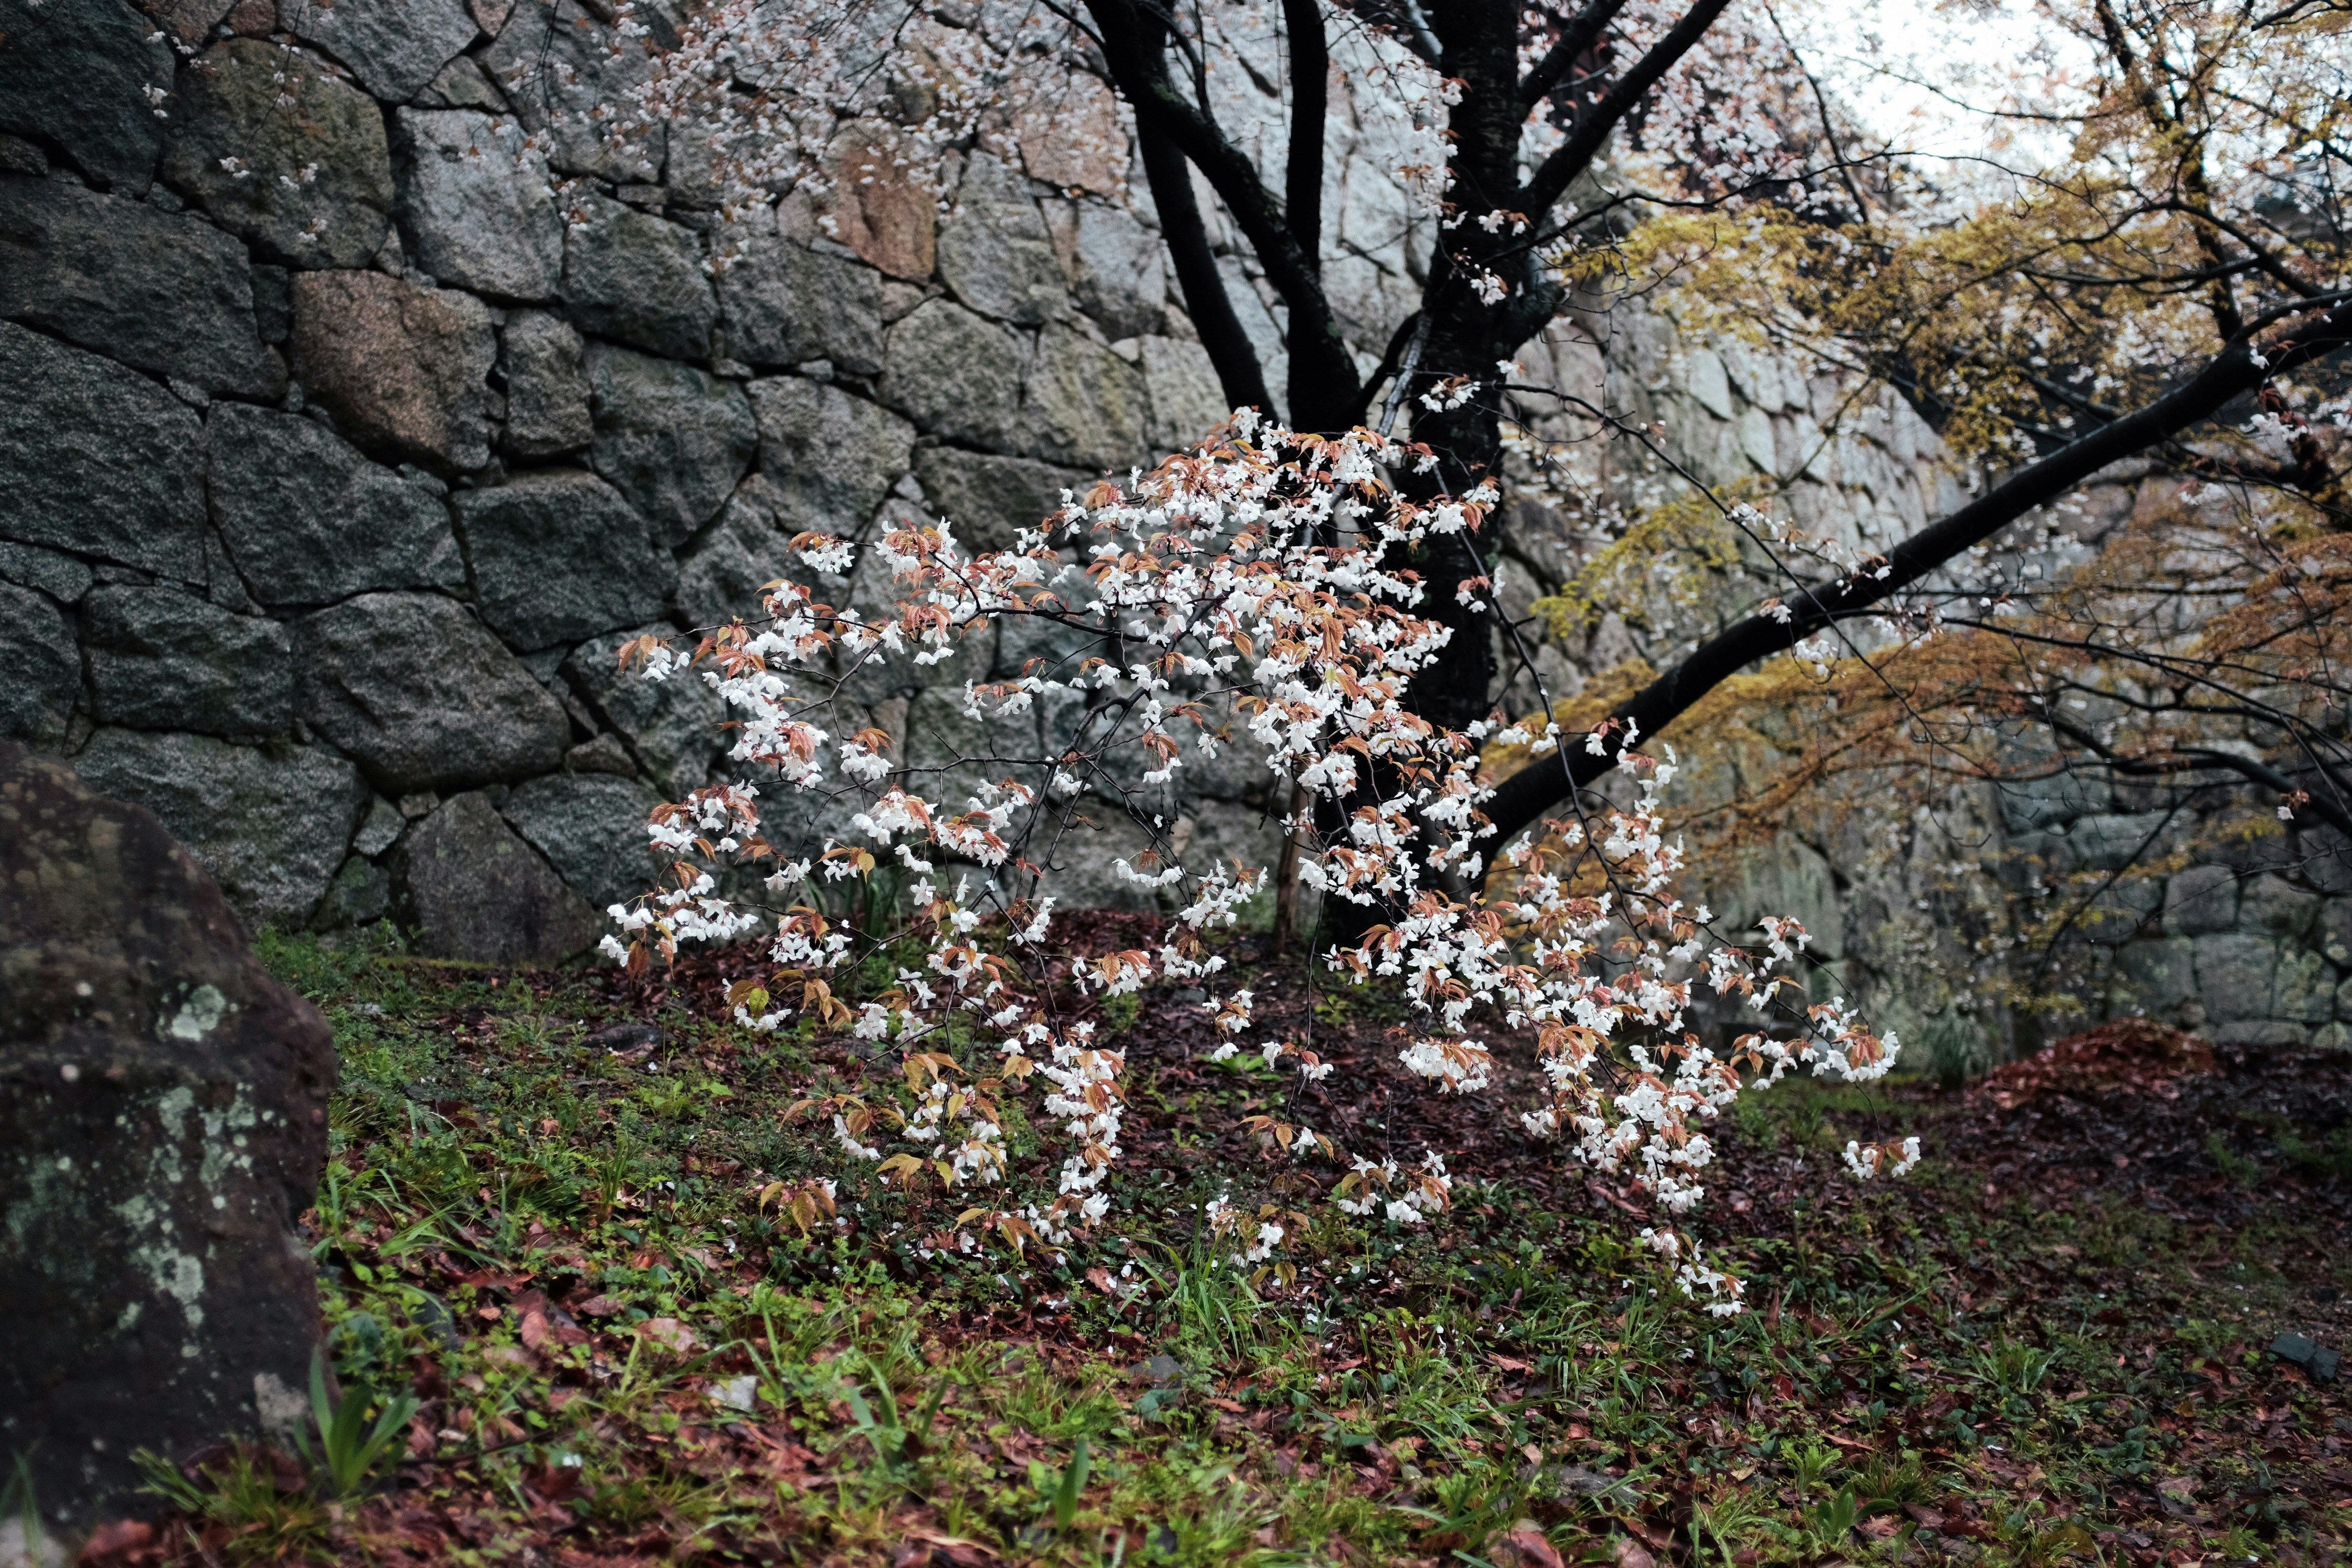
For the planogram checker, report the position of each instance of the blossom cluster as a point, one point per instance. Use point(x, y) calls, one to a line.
point(1257, 593)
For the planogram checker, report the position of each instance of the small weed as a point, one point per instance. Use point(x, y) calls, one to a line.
point(349, 1451)
point(2242, 1172)
point(2329, 1158)
point(1072, 1487)
point(249, 1505)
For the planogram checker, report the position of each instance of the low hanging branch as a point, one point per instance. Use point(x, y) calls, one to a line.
point(2237, 371)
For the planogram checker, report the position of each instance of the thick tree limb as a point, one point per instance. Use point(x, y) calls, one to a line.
point(1323, 373)
point(1584, 143)
point(1524, 797)
point(1574, 39)
point(1311, 72)
point(1239, 372)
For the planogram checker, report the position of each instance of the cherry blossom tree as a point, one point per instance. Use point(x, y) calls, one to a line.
point(2162, 290)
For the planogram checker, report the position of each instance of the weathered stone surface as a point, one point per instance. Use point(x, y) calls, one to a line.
point(403, 370)
point(310, 183)
point(671, 438)
point(671, 726)
point(159, 291)
point(2303, 987)
point(474, 890)
point(309, 520)
point(161, 659)
point(75, 74)
point(880, 209)
point(2233, 975)
point(2275, 907)
point(423, 694)
point(2109, 842)
point(1120, 281)
point(2200, 899)
point(955, 374)
point(630, 276)
point(474, 204)
point(544, 364)
point(559, 65)
point(1085, 405)
point(1072, 137)
point(786, 304)
point(191, 20)
point(721, 577)
point(829, 456)
point(359, 895)
point(62, 577)
point(43, 676)
point(989, 497)
point(463, 84)
point(2157, 976)
point(559, 556)
point(1187, 399)
point(271, 824)
point(592, 828)
point(162, 1120)
point(97, 459)
point(394, 46)
point(993, 253)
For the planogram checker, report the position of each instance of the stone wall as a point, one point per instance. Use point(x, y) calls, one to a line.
point(338, 456)
point(336, 460)
point(2213, 915)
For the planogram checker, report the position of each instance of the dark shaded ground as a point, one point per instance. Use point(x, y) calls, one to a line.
point(554, 1218)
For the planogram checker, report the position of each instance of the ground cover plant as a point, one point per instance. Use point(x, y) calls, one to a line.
point(573, 1216)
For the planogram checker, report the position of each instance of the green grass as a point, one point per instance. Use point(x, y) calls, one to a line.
point(739, 1390)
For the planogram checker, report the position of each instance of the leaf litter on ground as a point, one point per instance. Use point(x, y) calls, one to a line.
point(544, 1223)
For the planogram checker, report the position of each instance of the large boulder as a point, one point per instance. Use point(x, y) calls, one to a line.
point(545, 367)
point(307, 520)
point(956, 375)
point(271, 823)
point(994, 256)
point(592, 828)
point(76, 73)
point(44, 675)
point(831, 457)
point(563, 65)
point(786, 304)
point(880, 204)
point(394, 46)
point(474, 890)
point(159, 291)
point(162, 659)
point(1086, 406)
point(1187, 399)
point(558, 555)
point(424, 695)
point(670, 726)
point(97, 459)
point(989, 497)
point(163, 1121)
point(475, 204)
point(672, 439)
point(403, 370)
point(630, 277)
point(309, 181)
point(1120, 281)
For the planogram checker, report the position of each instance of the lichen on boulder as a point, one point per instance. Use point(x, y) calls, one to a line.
point(163, 1121)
